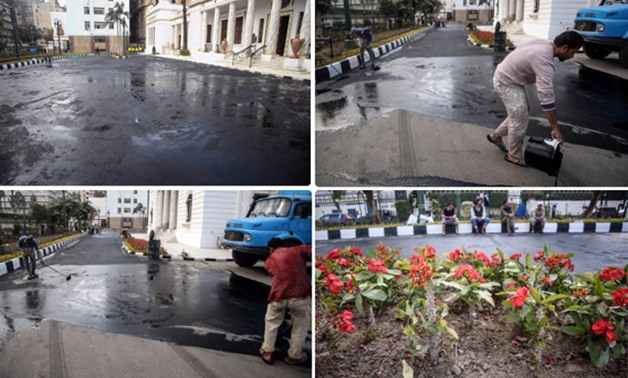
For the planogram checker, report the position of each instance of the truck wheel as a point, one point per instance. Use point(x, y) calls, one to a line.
point(596, 51)
point(242, 259)
point(623, 54)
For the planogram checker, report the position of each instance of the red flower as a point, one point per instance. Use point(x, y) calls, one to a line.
point(495, 260)
point(620, 297)
point(321, 266)
point(343, 321)
point(470, 272)
point(355, 251)
point(515, 256)
point(546, 280)
point(525, 277)
point(455, 255)
point(482, 257)
point(344, 262)
point(602, 326)
point(610, 336)
point(429, 252)
point(614, 273)
point(377, 266)
point(580, 293)
point(335, 254)
point(519, 299)
point(349, 285)
point(334, 283)
point(511, 285)
point(539, 256)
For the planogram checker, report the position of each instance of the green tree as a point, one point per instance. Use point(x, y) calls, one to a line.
point(117, 16)
point(336, 196)
point(370, 198)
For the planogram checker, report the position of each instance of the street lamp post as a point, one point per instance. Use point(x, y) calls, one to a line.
point(58, 26)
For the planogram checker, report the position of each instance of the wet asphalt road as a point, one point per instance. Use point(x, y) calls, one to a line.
point(442, 75)
point(186, 303)
point(151, 121)
point(592, 251)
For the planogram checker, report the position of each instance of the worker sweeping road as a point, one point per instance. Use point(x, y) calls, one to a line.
point(30, 252)
point(364, 38)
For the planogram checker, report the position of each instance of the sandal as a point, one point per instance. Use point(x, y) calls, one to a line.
point(499, 144)
point(267, 357)
point(292, 362)
point(518, 162)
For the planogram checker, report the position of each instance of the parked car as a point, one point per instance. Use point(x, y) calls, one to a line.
point(337, 219)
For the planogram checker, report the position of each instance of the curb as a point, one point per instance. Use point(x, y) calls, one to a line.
point(18, 262)
point(332, 70)
point(179, 258)
point(492, 228)
point(33, 62)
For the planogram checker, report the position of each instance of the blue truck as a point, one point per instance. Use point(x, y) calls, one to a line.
point(287, 216)
point(604, 29)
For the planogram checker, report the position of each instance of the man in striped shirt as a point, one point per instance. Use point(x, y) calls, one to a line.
point(530, 63)
point(290, 290)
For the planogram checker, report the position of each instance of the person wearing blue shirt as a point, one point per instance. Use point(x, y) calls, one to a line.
point(30, 252)
point(364, 39)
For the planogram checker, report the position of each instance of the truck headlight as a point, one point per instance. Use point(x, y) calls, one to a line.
point(247, 237)
point(600, 28)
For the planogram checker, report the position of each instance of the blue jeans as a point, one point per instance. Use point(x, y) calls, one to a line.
point(480, 222)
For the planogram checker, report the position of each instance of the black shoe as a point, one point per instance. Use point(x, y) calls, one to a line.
point(376, 68)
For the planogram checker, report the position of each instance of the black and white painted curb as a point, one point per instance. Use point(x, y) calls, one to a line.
point(180, 258)
point(332, 70)
point(492, 228)
point(10, 66)
point(18, 262)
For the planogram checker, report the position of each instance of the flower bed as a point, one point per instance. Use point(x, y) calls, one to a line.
point(13, 255)
point(467, 312)
point(141, 246)
point(487, 38)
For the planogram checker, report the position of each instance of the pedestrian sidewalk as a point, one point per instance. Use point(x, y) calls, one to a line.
point(185, 252)
point(57, 349)
point(304, 74)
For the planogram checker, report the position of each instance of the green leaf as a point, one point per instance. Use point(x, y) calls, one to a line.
point(512, 317)
point(531, 326)
point(500, 254)
point(508, 304)
point(358, 303)
point(394, 272)
point(553, 298)
point(489, 285)
point(407, 371)
point(452, 332)
point(599, 288)
point(525, 310)
point(527, 261)
point(317, 273)
point(573, 330)
point(409, 331)
point(543, 322)
point(486, 296)
point(535, 294)
point(364, 275)
point(375, 294)
point(463, 289)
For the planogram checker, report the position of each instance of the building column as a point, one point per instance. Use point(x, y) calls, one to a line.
point(231, 27)
point(157, 209)
point(503, 10)
point(273, 28)
point(519, 10)
point(305, 30)
point(174, 200)
point(511, 9)
point(216, 31)
point(248, 28)
point(166, 210)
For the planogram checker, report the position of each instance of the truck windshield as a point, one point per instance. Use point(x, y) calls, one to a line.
point(275, 207)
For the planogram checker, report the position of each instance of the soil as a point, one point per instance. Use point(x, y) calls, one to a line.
point(489, 348)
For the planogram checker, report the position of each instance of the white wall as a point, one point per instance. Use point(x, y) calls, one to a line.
point(76, 17)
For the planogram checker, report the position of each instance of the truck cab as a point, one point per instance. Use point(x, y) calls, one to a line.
point(604, 29)
point(287, 216)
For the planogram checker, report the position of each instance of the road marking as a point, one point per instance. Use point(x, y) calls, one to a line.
point(194, 362)
point(57, 355)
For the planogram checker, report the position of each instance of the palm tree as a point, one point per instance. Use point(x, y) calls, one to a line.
point(118, 16)
point(336, 196)
point(370, 198)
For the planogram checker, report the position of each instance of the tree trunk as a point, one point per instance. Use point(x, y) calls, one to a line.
point(592, 204)
point(371, 200)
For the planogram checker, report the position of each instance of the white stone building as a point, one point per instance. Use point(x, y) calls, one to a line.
point(121, 209)
point(467, 10)
point(540, 18)
point(269, 23)
point(86, 27)
point(197, 217)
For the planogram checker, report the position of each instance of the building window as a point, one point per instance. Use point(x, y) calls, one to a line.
point(471, 2)
point(134, 200)
point(119, 210)
point(260, 34)
point(86, 10)
point(127, 210)
point(536, 6)
point(135, 192)
point(119, 200)
point(101, 40)
point(188, 208)
point(99, 10)
point(111, 26)
point(87, 25)
point(99, 25)
point(127, 200)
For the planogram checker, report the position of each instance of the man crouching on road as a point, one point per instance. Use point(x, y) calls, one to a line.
point(364, 39)
point(290, 290)
point(30, 252)
point(529, 63)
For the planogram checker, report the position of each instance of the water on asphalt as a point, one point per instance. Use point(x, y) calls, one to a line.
point(186, 303)
point(151, 121)
point(442, 75)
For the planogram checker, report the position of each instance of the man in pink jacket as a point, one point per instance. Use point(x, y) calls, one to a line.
point(530, 63)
